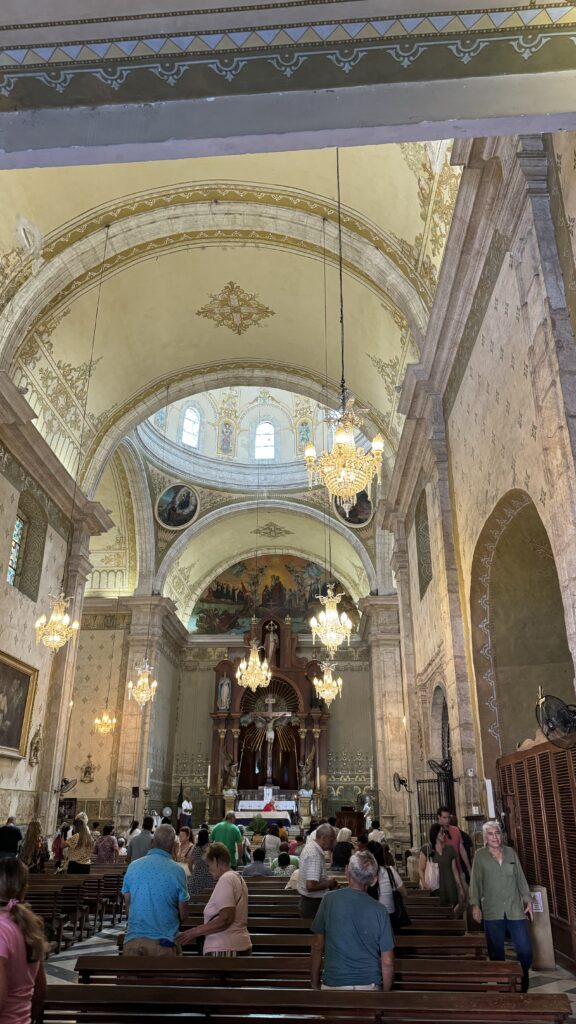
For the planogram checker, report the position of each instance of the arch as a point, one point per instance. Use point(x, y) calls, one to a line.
point(208, 377)
point(518, 628)
point(423, 552)
point(440, 745)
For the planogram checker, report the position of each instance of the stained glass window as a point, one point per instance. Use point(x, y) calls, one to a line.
point(16, 547)
point(264, 444)
point(191, 428)
point(160, 417)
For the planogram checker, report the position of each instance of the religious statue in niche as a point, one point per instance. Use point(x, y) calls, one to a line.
point(306, 775)
point(87, 770)
point(224, 698)
point(271, 643)
point(35, 747)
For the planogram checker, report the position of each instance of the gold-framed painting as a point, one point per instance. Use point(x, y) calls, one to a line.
point(17, 691)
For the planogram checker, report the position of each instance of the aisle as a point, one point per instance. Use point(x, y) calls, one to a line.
point(60, 966)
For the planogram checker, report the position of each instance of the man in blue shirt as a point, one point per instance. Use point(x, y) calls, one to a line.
point(353, 932)
point(156, 898)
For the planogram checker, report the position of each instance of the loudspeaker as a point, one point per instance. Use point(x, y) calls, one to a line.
point(135, 791)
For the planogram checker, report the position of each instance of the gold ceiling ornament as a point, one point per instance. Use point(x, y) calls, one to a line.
point(105, 724)
point(56, 631)
point(253, 674)
point(234, 308)
point(347, 469)
point(331, 627)
point(326, 686)
point(143, 691)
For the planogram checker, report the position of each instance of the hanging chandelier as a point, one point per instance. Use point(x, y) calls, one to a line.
point(254, 673)
point(144, 689)
point(105, 724)
point(347, 469)
point(57, 630)
point(331, 627)
point(326, 686)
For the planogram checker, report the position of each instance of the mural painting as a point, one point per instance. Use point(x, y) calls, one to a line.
point(283, 585)
point(361, 512)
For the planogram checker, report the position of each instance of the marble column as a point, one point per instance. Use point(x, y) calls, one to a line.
point(381, 629)
point(57, 716)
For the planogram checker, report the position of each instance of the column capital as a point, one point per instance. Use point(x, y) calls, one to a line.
point(533, 161)
point(380, 621)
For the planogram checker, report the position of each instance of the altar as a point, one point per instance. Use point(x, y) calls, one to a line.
point(244, 817)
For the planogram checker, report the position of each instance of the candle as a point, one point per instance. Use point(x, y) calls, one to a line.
point(317, 776)
point(371, 777)
point(148, 778)
point(208, 779)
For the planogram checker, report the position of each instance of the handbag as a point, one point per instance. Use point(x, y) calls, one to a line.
point(431, 874)
point(401, 916)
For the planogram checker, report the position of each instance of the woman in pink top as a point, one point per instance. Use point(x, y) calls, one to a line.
point(22, 949)
point(226, 914)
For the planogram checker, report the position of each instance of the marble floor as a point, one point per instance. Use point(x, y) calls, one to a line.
point(60, 967)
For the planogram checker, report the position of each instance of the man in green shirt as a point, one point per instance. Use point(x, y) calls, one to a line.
point(227, 832)
point(499, 893)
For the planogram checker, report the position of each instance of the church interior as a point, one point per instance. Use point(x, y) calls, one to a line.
point(288, 333)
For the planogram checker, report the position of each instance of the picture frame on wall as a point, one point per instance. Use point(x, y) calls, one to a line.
point(17, 691)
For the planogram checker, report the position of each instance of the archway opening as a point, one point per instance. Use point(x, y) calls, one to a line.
point(518, 627)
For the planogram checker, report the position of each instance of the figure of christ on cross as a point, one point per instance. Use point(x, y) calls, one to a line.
point(269, 721)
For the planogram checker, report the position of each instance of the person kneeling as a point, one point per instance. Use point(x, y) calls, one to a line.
point(354, 934)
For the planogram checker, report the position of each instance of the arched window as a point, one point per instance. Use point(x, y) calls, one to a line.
point(264, 442)
point(16, 551)
point(191, 427)
point(423, 544)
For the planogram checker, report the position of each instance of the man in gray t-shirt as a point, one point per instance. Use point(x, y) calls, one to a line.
point(138, 846)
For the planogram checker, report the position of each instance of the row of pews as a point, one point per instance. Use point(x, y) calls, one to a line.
point(73, 907)
point(442, 974)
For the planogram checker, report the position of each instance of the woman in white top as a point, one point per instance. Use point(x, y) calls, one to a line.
point(385, 890)
point(271, 843)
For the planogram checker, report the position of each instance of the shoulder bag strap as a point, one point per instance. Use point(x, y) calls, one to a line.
point(391, 877)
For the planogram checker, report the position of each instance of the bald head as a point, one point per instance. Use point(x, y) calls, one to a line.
point(231, 816)
point(164, 838)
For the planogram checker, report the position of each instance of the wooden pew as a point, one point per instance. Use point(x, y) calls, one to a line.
point(294, 923)
point(293, 971)
point(108, 1004)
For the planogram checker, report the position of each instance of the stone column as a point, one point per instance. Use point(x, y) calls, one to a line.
point(137, 723)
point(57, 715)
point(381, 629)
point(414, 745)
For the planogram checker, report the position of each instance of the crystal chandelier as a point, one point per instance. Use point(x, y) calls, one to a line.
point(144, 689)
point(57, 630)
point(347, 469)
point(104, 724)
point(331, 627)
point(254, 673)
point(326, 686)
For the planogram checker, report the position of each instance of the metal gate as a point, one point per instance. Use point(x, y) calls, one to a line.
point(432, 794)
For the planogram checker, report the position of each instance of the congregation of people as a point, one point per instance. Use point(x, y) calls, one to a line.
point(351, 891)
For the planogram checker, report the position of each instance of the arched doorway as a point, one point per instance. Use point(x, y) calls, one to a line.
point(256, 769)
point(518, 627)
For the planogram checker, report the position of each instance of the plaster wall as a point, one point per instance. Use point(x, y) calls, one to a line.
point(350, 735)
point(165, 716)
point(18, 779)
point(430, 612)
point(193, 740)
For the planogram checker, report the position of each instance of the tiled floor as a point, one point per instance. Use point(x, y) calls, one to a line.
point(60, 967)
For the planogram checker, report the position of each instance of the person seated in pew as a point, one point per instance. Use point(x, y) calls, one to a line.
point(296, 845)
point(122, 851)
point(353, 934)
point(22, 948)
point(225, 928)
point(156, 898)
point(292, 883)
point(343, 850)
point(362, 843)
point(295, 861)
point(313, 880)
point(257, 867)
point(284, 868)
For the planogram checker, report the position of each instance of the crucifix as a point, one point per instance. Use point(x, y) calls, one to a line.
point(269, 721)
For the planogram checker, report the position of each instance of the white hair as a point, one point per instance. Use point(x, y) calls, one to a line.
point(344, 836)
point(363, 868)
point(490, 824)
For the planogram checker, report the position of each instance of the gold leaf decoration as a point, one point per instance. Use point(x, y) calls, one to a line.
point(234, 308)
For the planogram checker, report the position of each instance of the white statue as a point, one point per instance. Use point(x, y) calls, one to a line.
point(224, 694)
